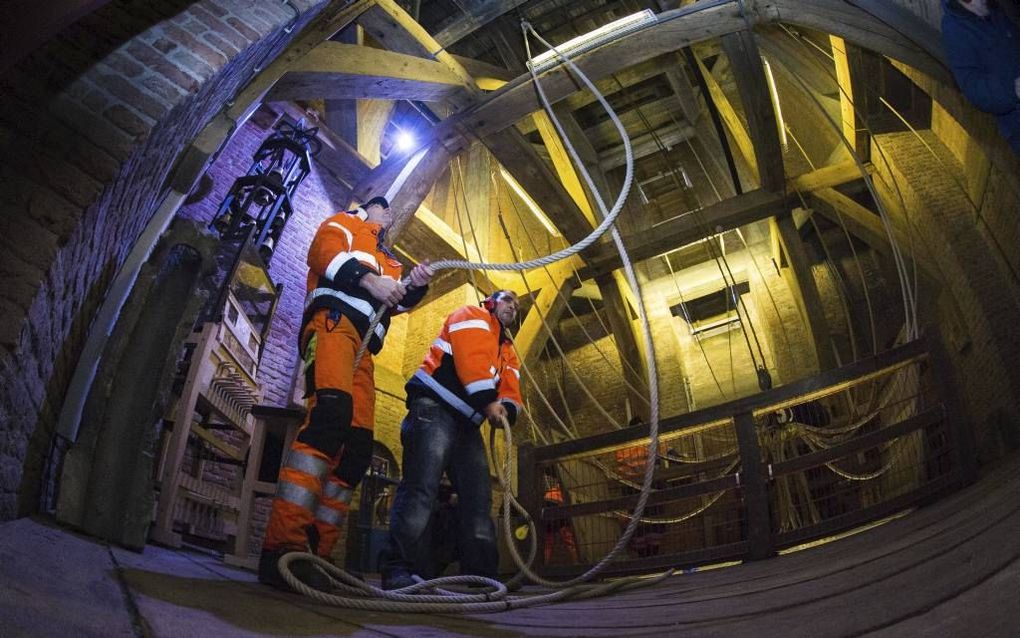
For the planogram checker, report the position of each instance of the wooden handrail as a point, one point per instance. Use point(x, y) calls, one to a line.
point(777, 398)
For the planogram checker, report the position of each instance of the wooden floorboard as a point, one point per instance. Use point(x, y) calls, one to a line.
point(951, 568)
point(741, 598)
point(993, 601)
point(880, 594)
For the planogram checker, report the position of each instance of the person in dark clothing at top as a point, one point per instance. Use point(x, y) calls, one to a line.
point(982, 47)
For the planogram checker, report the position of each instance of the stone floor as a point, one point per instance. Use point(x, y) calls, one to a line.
point(949, 569)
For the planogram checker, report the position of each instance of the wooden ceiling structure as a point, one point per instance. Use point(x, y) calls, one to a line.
point(674, 84)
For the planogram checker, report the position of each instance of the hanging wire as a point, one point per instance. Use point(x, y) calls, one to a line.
point(690, 323)
point(718, 257)
point(907, 288)
point(563, 298)
point(556, 345)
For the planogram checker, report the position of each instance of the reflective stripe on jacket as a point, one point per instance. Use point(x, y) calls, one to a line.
point(470, 365)
point(344, 249)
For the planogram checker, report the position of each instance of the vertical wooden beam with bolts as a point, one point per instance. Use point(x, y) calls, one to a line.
point(853, 65)
point(802, 282)
point(762, 126)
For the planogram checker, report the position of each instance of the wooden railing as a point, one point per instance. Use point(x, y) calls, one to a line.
point(759, 483)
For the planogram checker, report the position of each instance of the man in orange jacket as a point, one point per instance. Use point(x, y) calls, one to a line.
point(470, 373)
point(350, 274)
point(561, 527)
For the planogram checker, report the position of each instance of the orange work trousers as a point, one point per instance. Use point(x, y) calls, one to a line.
point(312, 500)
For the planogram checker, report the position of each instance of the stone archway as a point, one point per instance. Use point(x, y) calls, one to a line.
point(97, 118)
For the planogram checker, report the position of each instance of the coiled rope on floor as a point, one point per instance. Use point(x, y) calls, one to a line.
point(430, 596)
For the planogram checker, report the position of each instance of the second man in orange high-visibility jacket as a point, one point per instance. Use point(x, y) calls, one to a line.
point(470, 373)
point(350, 275)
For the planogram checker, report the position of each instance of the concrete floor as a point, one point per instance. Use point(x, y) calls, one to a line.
point(950, 569)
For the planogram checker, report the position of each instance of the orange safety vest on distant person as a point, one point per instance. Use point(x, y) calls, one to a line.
point(631, 461)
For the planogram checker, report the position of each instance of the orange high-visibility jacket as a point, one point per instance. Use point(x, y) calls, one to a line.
point(471, 364)
point(632, 461)
point(554, 494)
point(344, 249)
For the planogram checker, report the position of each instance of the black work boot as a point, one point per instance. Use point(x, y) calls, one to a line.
point(397, 579)
point(306, 572)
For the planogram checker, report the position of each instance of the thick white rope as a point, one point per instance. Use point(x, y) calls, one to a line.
point(408, 599)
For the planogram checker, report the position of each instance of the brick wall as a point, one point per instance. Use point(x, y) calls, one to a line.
point(779, 324)
point(977, 292)
point(319, 196)
point(90, 125)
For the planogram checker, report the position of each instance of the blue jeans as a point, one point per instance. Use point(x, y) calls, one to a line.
point(435, 441)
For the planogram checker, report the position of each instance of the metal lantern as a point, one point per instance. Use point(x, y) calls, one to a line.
point(258, 206)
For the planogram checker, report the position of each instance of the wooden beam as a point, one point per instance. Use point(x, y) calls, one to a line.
point(809, 64)
point(828, 176)
point(549, 305)
point(395, 30)
point(519, 98)
point(908, 24)
point(612, 289)
point(697, 114)
point(477, 187)
point(404, 180)
point(505, 37)
point(854, 66)
point(515, 153)
point(564, 166)
point(801, 280)
point(644, 145)
point(700, 22)
point(865, 225)
point(372, 118)
point(837, 17)
point(329, 22)
point(725, 215)
point(488, 77)
point(746, 64)
point(426, 236)
point(334, 70)
point(744, 147)
point(342, 115)
point(846, 95)
point(651, 114)
point(474, 15)
point(608, 86)
point(342, 118)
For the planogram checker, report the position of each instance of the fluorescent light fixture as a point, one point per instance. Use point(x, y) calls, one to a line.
point(687, 178)
point(593, 39)
point(771, 80)
point(535, 210)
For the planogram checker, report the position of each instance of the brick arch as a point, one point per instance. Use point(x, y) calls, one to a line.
point(91, 124)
